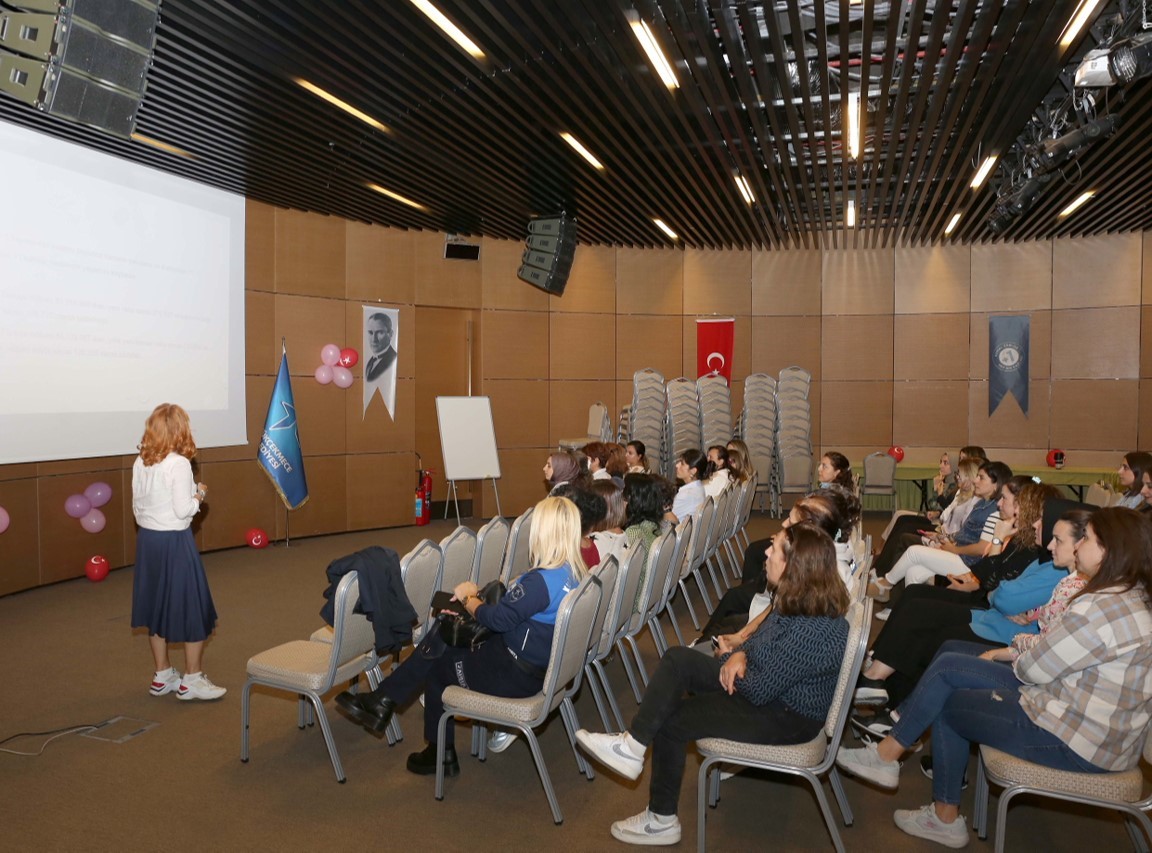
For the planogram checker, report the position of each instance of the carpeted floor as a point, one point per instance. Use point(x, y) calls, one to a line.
point(69, 658)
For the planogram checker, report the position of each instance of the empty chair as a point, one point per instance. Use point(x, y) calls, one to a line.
point(607, 571)
point(516, 560)
point(309, 670)
point(599, 428)
point(618, 614)
point(491, 542)
point(880, 478)
point(573, 631)
point(661, 555)
point(701, 530)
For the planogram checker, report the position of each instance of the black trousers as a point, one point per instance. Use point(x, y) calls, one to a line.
point(732, 610)
point(903, 536)
point(754, 558)
point(432, 666)
point(668, 720)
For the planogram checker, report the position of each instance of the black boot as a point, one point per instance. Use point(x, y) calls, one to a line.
point(424, 763)
point(372, 712)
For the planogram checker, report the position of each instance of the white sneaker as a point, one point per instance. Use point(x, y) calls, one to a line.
point(883, 615)
point(165, 682)
point(613, 752)
point(646, 830)
point(500, 741)
point(867, 764)
point(923, 823)
point(197, 686)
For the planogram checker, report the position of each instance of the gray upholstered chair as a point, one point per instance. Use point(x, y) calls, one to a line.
point(661, 555)
point(574, 622)
point(810, 761)
point(694, 567)
point(620, 597)
point(880, 478)
point(1122, 791)
point(516, 559)
point(679, 562)
point(310, 669)
point(491, 540)
point(459, 549)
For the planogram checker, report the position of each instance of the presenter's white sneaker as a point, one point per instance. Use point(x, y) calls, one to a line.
point(648, 829)
point(923, 823)
point(500, 741)
point(197, 686)
point(613, 752)
point(165, 682)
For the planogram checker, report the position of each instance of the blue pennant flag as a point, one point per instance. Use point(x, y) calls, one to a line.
point(1008, 361)
point(280, 455)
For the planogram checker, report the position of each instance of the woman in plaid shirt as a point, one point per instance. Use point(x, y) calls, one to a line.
point(1077, 700)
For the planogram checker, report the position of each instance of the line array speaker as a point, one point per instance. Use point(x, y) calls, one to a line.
point(550, 249)
point(85, 61)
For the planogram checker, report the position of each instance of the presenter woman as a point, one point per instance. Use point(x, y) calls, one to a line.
point(170, 595)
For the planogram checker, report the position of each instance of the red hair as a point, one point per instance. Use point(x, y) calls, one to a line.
point(167, 430)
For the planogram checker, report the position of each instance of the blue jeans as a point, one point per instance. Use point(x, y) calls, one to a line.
point(967, 700)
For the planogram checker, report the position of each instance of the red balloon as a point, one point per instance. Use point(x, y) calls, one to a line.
point(1055, 459)
point(256, 538)
point(349, 357)
point(896, 452)
point(96, 568)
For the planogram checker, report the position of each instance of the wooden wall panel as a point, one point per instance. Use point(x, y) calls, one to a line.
point(18, 471)
point(1089, 272)
point(654, 342)
point(261, 355)
point(930, 346)
point(1145, 344)
point(1040, 344)
point(786, 282)
point(449, 284)
point(20, 543)
point(568, 408)
point(441, 353)
point(861, 281)
point(1012, 277)
point(649, 281)
point(240, 497)
point(933, 280)
point(307, 324)
point(1096, 343)
point(501, 289)
point(856, 347)
point(310, 255)
point(95, 465)
point(933, 413)
point(581, 346)
point(259, 247)
point(1144, 419)
point(1008, 427)
point(1094, 415)
point(779, 342)
point(374, 430)
point(381, 264)
point(520, 411)
point(717, 282)
point(325, 511)
point(322, 416)
point(1146, 268)
point(741, 346)
point(381, 489)
point(521, 483)
point(591, 284)
point(514, 344)
point(855, 414)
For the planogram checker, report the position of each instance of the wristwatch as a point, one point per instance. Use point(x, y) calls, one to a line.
point(996, 540)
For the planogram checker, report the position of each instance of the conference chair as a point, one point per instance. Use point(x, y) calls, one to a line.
point(1121, 791)
point(516, 558)
point(491, 541)
point(701, 530)
point(459, 550)
point(310, 669)
point(810, 761)
point(661, 565)
point(679, 563)
point(880, 478)
point(620, 597)
point(573, 632)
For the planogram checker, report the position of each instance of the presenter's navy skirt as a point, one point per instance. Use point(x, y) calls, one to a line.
point(170, 595)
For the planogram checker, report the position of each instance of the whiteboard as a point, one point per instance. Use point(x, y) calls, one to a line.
point(467, 438)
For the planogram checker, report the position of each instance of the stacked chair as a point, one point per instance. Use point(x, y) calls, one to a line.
point(715, 410)
point(646, 415)
point(794, 434)
point(683, 420)
point(758, 430)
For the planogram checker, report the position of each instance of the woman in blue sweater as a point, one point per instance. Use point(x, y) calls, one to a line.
point(512, 663)
point(776, 688)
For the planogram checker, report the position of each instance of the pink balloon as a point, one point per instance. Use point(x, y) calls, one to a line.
point(77, 506)
point(342, 376)
point(330, 355)
point(349, 357)
point(98, 493)
point(4, 519)
point(323, 374)
point(93, 522)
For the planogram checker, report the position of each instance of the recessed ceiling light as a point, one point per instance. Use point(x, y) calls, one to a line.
point(655, 54)
point(396, 196)
point(1077, 21)
point(850, 214)
point(952, 223)
point(983, 172)
point(853, 125)
point(344, 105)
point(581, 150)
point(745, 189)
point(163, 146)
point(450, 29)
point(660, 224)
point(1080, 201)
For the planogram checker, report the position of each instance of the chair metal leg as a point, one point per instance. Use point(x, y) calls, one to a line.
point(602, 674)
point(624, 659)
point(658, 634)
point(597, 695)
point(322, 718)
point(643, 670)
point(980, 805)
point(841, 798)
point(698, 574)
point(691, 609)
point(1136, 833)
point(542, 770)
point(675, 623)
point(303, 717)
point(711, 563)
point(571, 724)
point(245, 707)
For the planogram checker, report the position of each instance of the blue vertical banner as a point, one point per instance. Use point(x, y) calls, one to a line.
point(1008, 360)
point(280, 455)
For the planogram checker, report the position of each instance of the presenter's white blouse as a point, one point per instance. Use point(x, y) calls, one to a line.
point(164, 494)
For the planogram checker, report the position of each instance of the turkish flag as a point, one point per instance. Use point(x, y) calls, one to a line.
point(714, 347)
